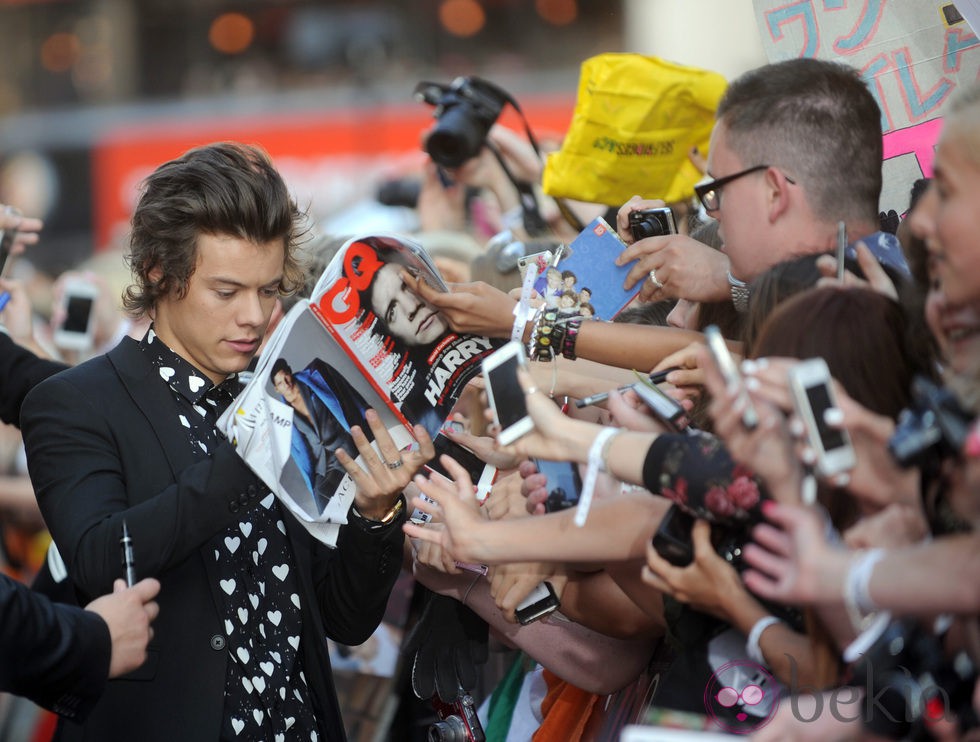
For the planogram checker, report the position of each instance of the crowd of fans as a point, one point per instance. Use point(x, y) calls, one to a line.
point(812, 604)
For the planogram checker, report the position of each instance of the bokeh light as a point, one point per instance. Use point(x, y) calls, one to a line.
point(462, 17)
point(60, 51)
point(557, 12)
point(231, 33)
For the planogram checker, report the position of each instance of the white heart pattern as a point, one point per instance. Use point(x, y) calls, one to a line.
point(184, 421)
point(267, 668)
point(259, 682)
point(166, 373)
point(254, 599)
point(243, 654)
point(282, 692)
point(293, 641)
point(276, 656)
point(281, 526)
point(243, 615)
point(262, 629)
point(258, 715)
point(232, 543)
point(295, 598)
point(238, 725)
point(248, 685)
point(195, 383)
point(228, 586)
point(290, 720)
point(262, 586)
point(229, 627)
point(281, 570)
point(261, 545)
point(255, 558)
point(275, 617)
point(267, 501)
point(246, 528)
point(280, 738)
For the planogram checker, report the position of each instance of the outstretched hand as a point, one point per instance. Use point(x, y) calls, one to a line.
point(454, 502)
point(128, 612)
point(476, 308)
point(381, 479)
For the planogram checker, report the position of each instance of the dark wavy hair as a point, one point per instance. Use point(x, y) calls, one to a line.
point(226, 188)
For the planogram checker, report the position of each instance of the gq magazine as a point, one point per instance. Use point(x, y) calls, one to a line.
point(362, 340)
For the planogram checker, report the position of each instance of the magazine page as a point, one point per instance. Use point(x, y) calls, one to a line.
point(403, 344)
point(586, 281)
point(299, 407)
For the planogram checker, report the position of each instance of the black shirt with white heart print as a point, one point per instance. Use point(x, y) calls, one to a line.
point(266, 693)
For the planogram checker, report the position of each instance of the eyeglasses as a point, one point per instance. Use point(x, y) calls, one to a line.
point(709, 194)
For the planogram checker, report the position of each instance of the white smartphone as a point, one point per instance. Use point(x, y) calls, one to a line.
point(505, 394)
point(7, 237)
point(729, 370)
point(78, 327)
point(813, 394)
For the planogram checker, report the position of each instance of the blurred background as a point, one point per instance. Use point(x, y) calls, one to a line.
point(96, 93)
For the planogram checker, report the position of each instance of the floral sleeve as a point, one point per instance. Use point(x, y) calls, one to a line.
point(697, 472)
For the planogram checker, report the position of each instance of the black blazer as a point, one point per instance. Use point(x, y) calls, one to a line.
point(56, 655)
point(20, 371)
point(104, 444)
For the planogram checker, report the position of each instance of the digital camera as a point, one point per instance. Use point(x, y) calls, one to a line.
point(672, 541)
point(912, 681)
point(465, 111)
point(935, 424)
point(458, 721)
point(652, 223)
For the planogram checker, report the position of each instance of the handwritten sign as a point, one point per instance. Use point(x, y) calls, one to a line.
point(913, 55)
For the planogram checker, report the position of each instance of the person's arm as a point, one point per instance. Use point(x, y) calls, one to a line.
point(589, 660)
point(20, 371)
point(795, 564)
point(481, 309)
point(60, 656)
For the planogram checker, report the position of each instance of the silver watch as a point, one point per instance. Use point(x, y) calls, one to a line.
point(740, 293)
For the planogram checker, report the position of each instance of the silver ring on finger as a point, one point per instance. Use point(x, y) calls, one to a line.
point(395, 464)
point(655, 280)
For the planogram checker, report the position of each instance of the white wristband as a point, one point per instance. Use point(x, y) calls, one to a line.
point(597, 454)
point(752, 648)
point(857, 592)
point(523, 312)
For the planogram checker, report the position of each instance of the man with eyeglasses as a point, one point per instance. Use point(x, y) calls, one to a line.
point(797, 148)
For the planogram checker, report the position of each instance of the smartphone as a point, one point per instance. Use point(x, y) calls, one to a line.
point(665, 408)
point(545, 257)
point(78, 327)
point(481, 473)
point(564, 484)
point(7, 237)
point(538, 604)
point(841, 250)
point(729, 369)
point(673, 537)
point(505, 394)
point(813, 394)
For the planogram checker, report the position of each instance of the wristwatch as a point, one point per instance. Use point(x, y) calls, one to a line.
point(740, 293)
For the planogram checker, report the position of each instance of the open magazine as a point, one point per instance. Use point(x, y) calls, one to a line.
point(363, 340)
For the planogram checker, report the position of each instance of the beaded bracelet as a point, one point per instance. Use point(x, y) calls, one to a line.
point(571, 337)
point(546, 336)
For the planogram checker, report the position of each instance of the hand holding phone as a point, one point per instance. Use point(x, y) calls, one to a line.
point(733, 377)
point(813, 394)
point(505, 394)
point(77, 328)
point(539, 603)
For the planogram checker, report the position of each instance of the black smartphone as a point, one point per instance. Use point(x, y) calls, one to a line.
point(538, 604)
point(665, 408)
point(673, 537)
point(564, 484)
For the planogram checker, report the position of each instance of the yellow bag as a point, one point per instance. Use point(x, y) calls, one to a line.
point(635, 119)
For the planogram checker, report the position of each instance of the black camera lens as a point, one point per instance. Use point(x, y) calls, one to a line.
point(451, 729)
point(651, 223)
point(458, 137)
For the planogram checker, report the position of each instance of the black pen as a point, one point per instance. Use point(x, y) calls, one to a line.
point(126, 546)
point(655, 378)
